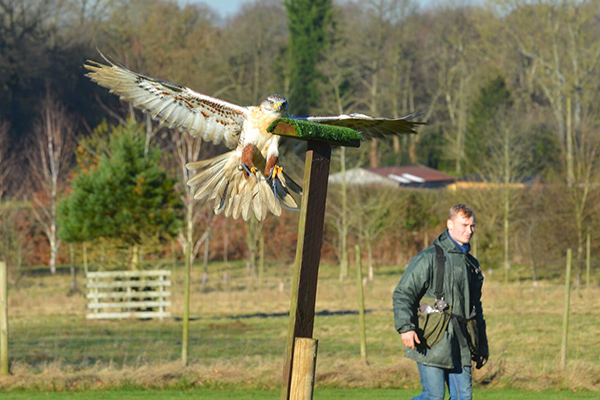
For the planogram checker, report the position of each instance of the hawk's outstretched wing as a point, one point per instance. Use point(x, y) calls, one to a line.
point(369, 127)
point(172, 105)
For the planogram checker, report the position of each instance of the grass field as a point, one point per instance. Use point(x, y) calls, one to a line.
point(238, 333)
point(327, 394)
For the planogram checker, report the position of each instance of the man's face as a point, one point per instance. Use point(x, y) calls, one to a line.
point(461, 229)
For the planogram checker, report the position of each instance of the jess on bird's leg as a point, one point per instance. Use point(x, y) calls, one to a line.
point(272, 169)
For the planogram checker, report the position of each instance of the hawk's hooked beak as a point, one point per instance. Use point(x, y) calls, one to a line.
point(282, 106)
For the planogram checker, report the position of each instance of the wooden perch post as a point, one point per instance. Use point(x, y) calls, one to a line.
point(310, 232)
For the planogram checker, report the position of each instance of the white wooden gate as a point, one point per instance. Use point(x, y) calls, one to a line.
point(128, 294)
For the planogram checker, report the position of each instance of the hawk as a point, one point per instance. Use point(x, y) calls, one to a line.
point(248, 179)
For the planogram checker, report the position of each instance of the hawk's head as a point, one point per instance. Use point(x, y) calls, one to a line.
point(276, 104)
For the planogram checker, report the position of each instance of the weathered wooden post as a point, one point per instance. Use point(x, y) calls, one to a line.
point(308, 252)
point(310, 228)
point(588, 261)
point(186, 307)
point(85, 259)
point(565, 327)
point(303, 369)
point(4, 370)
point(162, 308)
point(361, 306)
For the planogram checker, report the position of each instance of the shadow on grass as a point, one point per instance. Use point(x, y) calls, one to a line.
point(323, 313)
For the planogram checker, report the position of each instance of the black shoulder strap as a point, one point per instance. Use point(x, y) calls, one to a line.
point(440, 262)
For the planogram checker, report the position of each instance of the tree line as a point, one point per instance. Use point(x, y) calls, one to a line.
point(508, 88)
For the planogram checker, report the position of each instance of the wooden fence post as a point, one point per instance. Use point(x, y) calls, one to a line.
point(565, 327)
point(303, 369)
point(4, 370)
point(161, 290)
point(361, 306)
point(588, 261)
point(85, 258)
point(185, 335)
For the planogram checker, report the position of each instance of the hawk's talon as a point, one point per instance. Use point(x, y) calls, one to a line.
point(276, 170)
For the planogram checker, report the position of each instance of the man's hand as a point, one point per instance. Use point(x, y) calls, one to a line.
point(481, 360)
point(410, 338)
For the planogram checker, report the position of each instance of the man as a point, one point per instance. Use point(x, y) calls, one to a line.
point(447, 362)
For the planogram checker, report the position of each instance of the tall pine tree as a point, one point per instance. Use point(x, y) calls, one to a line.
point(307, 23)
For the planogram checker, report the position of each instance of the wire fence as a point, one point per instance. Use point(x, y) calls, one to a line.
point(48, 324)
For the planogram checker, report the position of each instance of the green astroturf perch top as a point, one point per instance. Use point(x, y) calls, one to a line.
point(298, 129)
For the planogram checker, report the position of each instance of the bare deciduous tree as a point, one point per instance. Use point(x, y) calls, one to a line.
point(48, 158)
point(371, 216)
point(188, 149)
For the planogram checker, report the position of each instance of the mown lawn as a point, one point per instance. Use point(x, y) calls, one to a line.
point(326, 394)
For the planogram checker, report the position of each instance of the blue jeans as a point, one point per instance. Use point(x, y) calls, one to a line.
point(434, 381)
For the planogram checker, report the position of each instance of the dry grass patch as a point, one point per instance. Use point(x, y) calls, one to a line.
point(238, 333)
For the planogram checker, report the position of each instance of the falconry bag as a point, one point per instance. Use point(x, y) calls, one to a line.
point(471, 338)
point(434, 314)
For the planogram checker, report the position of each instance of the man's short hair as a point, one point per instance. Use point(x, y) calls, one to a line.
point(464, 209)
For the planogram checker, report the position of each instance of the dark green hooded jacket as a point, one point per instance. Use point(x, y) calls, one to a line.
point(462, 290)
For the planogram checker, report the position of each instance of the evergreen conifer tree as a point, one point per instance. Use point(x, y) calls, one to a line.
point(128, 196)
point(307, 23)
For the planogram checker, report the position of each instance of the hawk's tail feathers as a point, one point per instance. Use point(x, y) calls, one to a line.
point(236, 195)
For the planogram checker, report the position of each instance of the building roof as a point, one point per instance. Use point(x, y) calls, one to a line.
point(409, 176)
point(413, 174)
point(360, 176)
